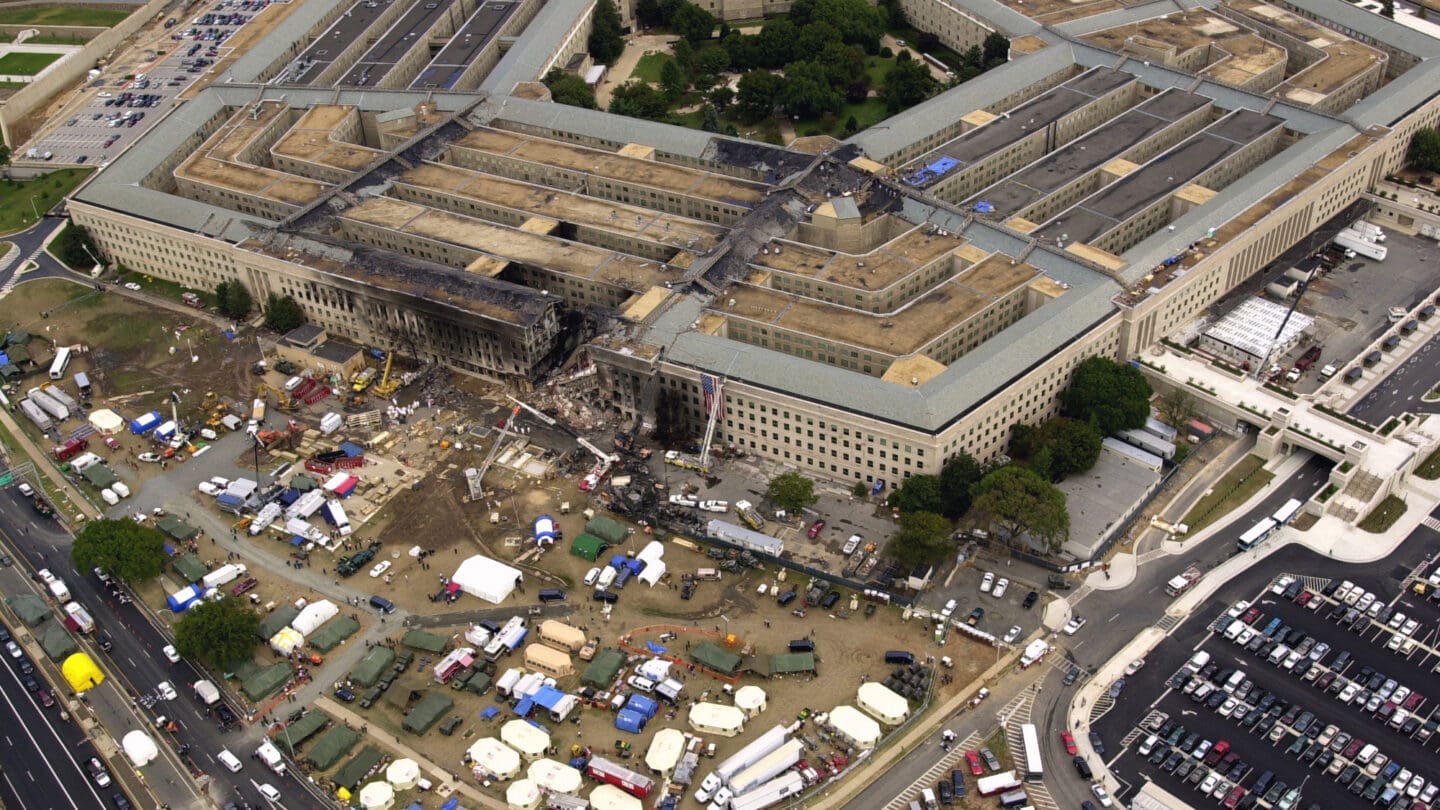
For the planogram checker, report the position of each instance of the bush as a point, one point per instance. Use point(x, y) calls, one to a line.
point(283, 313)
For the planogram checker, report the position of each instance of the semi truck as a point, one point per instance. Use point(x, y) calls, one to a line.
point(78, 618)
point(757, 750)
point(768, 767)
point(49, 404)
point(1352, 240)
point(36, 414)
point(770, 793)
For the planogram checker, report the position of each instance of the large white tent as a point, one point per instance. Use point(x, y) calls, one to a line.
point(529, 740)
point(314, 615)
point(750, 699)
point(487, 579)
point(139, 748)
point(654, 566)
point(882, 703)
point(857, 729)
point(496, 757)
point(403, 773)
point(717, 718)
point(665, 750)
point(106, 422)
point(554, 776)
point(609, 797)
point(377, 796)
point(523, 795)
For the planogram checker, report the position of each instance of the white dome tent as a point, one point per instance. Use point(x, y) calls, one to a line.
point(487, 579)
point(377, 796)
point(856, 728)
point(495, 757)
point(530, 741)
point(665, 751)
point(556, 777)
point(139, 748)
point(106, 422)
point(403, 773)
point(314, 615)
point(717, 718)
point(523, 795)
point(750, 699)
point(609, 797)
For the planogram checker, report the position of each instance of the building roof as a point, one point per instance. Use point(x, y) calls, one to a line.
point(1255, 326)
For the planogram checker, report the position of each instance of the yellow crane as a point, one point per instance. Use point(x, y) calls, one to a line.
point(387, 386)
point(283, 400)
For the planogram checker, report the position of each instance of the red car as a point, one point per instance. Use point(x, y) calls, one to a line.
point(1236, 794)
point(815, 529)
point(1069, 742)
point(46, 699)
point(974, 760)
point(1251, 615)
point(247, 585)
point(1304, 598)
point(1413, 702)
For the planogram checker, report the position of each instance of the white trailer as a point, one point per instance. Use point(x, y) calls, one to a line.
point(223, 574)
point(58, 394)
point(766, 795)
point(49, 404)
point(37, 415)
point(267, 515)
point(752, 753)
point(768, 767)
point(1354, 241)
point(207, 692)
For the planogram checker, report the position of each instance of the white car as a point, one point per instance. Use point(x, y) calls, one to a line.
point(592, 575)
point(987, 582)
point(220, 481)
point(1134, 666)
point(1073, 626)
point(380, 568)
point(1366, 600)
point(269, 792)
point(1012, 634)
point(165, 691)
point(26, 490)
point(1342, 593)
point(1101, 796)
point(715, 506)
point(130, 285)
point(1396, 620)
point(1411, 625)
point(1238, 608)
point(1208, 786)
point(1281, 584)
point(208, 488)
point(949, 609)
point(171, 654)
point(1000, 587)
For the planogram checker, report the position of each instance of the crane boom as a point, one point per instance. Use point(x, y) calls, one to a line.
point(495, 448)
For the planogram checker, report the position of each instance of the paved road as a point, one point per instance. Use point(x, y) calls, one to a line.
point(1115, 617)
point(31, 243)
point(1401, 390)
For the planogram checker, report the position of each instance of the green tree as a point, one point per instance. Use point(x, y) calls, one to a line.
point(808, 92)
point(639, 100)
point(760, 91)
point(996, 48)
point(1107, 394)
point(918, 493)
point(4, 155)
point(721, 97)
point(567, 88)
point(957, 478)
point(693, 23)
point(1018, 501)
point(222, 634)
point(710, 120)
point(1074, 446)
point(233, 299)
point(123, 548)
point(710, 63)
point(924, 539)
point(1177, 406)
point(775, 44)
point(672, 81)
point(1387, 9)
point(74, 248)
point(859, 490)
point(858, 22)
point(851, 125)
point(684, 55)
point(1425, 148)
point(907, 84)
point(649, 13)
point(792, 492)
point(283, 313)
point(606, 41)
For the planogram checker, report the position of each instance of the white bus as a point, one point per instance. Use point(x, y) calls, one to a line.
point(1286, 513)
point(62, 359)
point(1034, 770)
point(1258, 532)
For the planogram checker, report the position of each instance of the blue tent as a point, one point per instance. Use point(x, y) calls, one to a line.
point(617, 562)
point(451, 804)
point(141, 425)
point(524, 707)
point(351, 449)
point(489, 713)
point(548, 697)
point(636, 566)
point(633, 722)
point(643, 705)
point(289, 496)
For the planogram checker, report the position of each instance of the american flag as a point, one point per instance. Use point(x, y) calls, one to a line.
point(714, 395)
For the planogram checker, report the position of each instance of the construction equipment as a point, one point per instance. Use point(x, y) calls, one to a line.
point(362, 380)
point(387, 386)
point(283, 400)
point(266, 438)
point(494, 451)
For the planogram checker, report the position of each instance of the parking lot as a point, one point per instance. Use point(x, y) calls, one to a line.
point(1333, 694)
point(119, 110)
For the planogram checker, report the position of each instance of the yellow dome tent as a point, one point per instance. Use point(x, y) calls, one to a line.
point(81, 673)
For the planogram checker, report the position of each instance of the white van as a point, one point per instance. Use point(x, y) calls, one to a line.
point(292, 383)
point(229, 760)
point(1198, 661)
point(1234, 630)
point(592, 575)
point(1366, 754)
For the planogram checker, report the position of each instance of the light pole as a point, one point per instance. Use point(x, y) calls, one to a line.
point(33, 209)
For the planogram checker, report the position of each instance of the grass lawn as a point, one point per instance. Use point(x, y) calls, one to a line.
point(16, 211)
point(1430, 468)
point(1384, 515)
point(998, 745)
point(63, 15)
point(649, 67)
point(875, 68)
point(26, 64)
point(1237, 487)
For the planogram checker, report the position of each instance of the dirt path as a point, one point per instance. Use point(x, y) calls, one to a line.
point(619, 73)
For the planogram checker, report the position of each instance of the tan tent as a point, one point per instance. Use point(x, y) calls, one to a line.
point(548, 660)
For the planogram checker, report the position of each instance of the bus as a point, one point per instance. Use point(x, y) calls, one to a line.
point(1034, 769)
point(62, 359)
point(1286, 513)
point(1258, 532)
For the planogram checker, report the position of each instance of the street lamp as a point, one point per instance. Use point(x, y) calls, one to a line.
point(33, 209)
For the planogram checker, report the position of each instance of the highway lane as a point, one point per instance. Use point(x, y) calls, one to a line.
point(136, 662)
point(1114, 619)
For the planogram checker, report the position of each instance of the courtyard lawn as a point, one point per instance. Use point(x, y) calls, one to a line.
point(26, 64)
point(63, 15)
point(1384, 516)
point(16, 211)
point(1242, 482)
point(649, 67)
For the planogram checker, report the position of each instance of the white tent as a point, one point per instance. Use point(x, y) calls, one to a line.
point(496, 757)
point(857, 729)
point(665, 750)
point(106, 422)
point(653, 551)
point(403, 773)
point(717, 718)
point(523, 795)
point(286, 641)
point(377, 796)
point(750, 699)
point(654, 570)
point(139, 748)
point(487, 579)
point(477, 635)
point(314, 615)
point(530, 741)
point(882, 703)
point(656, 669)
point(609, 797)
point(553, 776)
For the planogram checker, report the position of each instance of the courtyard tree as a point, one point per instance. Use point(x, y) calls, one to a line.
point(1425, 148)
point(606, 41)
point(283, 313)
point(710, 119)
point(759, 92)
point(907, 84)
point(924, 539)
point(122, 548)
point(996, 49)
point(693, 23)
point(1387, 9)
point(639, 100)
point(74, 248)
point(858, 22)
point(957, 478)
point(792, 492)
point(918, 493)
point(672, 81)
point(567, 88)
point(233, 299)
point(222, 634)
point(1017, 501)
point(722, 97)
point(1177, 406)
point(1057, 448)
point(775, 45)
point(1108, 395)
point(808, 92)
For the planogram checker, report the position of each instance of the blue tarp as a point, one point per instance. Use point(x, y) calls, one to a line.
point(633, 722)
point(536, 723)
point(297, 540)
point(655, 648)
point(617, 562)
point(289, 496)
point(451, 804)
point(983, 207)
point(351, 449)
point(4, 359)
point(229, 335)
point(169, 550)
point(489, 713)
point(636, 566)
point(524, 707)
point(643, 705)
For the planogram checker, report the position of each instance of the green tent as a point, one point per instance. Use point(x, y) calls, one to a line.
point(335, 631)
point(277, 621)
point(602, 671)
point(266, 681)
point(10, 371)
point(302, 483)
point(19, 354)
point(421, 640)
point(99, 476)
point(189, 567)
point(173, 527)
point(787, 663)
point(713, 656)
point(17, 338)
point(427, 712)
point(243, 670)
point(375, 663)
point(57, 642)
point(357, 768)
point(301, 730)
point(588, 546)
point(336, 743)
point(31, 609)
point(611, 531)
point(479, 683)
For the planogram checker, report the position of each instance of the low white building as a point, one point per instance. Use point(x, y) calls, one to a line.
point(882, 703)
